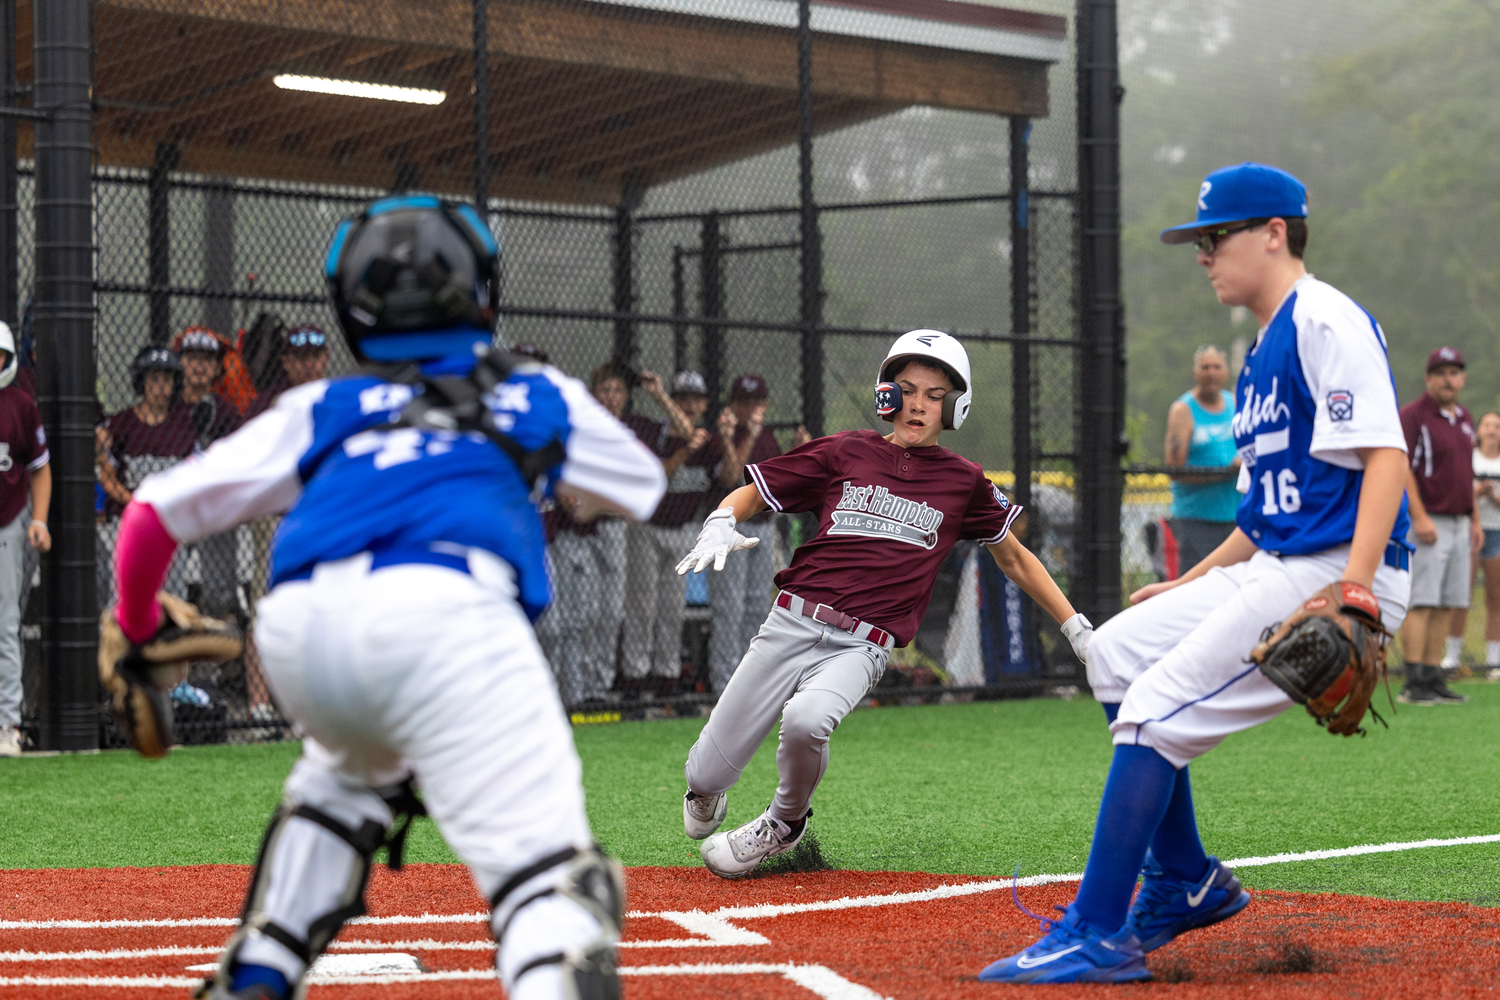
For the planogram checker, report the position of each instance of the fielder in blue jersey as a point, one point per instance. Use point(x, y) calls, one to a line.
point(398, 630)
point(1323, 475)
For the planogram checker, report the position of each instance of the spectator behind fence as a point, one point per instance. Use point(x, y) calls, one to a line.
point(202, 352)
point(154, 434)
point(1444, 526)
point(1199, 434)
point(25, 495)
point(580, 633)
point(304, 358)
point(741, 594)
point(1487, 501)
point(651, 645)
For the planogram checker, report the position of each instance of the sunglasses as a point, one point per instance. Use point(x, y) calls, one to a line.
point(1208, 241)
point(306, 338)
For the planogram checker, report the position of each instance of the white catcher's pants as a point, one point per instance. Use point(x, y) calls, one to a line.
point(1178, 664)
point(425, 671)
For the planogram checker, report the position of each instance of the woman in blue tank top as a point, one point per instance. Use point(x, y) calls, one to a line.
point(1199, 435)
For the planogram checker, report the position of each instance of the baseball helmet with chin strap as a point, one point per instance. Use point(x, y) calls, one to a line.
point(932, 347)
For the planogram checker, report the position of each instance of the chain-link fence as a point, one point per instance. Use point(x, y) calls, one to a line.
point(673, 191)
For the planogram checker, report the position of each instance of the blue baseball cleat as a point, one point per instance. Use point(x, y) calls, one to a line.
point(1073, 952)
point(1167, 907)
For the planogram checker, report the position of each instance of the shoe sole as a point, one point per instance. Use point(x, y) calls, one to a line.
point(1131, 972)
point(718, 821)
point(748, 871)
point(1223, 912)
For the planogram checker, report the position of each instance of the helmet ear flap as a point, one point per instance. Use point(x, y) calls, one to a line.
point(888, 401)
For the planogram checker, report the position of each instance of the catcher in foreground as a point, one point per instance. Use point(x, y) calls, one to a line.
point(1318, 556)
point(139, 675)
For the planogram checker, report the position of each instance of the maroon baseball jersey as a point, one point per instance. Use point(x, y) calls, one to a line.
point(137, 449)
point(887, 517)
point(1441, 447)
point(25, 449)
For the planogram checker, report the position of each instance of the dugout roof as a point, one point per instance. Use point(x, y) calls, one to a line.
point(588, 99)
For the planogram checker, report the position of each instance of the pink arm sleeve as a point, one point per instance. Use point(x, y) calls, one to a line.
point(142, 555)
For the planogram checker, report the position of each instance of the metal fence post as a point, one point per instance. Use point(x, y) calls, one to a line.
point(65, 331)
point(10, 310)
point(811, 238)
point(1101, 352)
point(482, 109)
point(679, 312)
point(218, 259)
point(1022, 447)
point(711, 306)
point(624, 282)
point(159, 240)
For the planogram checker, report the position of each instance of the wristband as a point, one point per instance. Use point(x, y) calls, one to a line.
point(37, 520)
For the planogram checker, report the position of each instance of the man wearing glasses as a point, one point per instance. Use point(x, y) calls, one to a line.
point(304, 358)
point(1323, 473)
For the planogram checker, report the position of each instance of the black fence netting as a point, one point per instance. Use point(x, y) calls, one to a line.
point(679, 204)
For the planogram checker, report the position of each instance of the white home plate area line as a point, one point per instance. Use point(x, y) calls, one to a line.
point(710, 930)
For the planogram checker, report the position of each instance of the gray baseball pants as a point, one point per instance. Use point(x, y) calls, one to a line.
point(652, 642)
point(739, 594)
point(810, 674)
point(13, 546)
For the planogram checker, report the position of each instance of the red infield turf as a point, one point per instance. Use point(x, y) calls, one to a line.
point(133, 932)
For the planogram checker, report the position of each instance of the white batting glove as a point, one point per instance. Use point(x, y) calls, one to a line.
point(1080, 633)
point(717, 539)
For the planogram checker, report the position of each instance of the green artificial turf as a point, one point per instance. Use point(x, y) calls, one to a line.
point(974, 789)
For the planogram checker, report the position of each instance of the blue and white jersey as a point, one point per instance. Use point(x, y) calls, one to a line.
point(1315, 388)
point(406, 493)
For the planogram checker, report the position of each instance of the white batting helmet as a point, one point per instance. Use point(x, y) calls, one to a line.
point(8, 344)
point(937, 347)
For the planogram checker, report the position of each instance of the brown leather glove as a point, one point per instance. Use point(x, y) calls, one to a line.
point(138, 677)
point(1329, 655)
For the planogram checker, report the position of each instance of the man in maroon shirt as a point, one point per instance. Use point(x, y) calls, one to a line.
point(889, 510)
point(1444, 523)
point(25, 483)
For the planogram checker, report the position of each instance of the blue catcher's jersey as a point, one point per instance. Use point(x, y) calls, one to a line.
point(407, 495)
point(374, 490)
point(1316, 388)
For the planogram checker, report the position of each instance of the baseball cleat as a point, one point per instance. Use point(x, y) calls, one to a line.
point(736, 853)
point(1438, 688)
point(1073, 952)
point(702, 814)
point(1167, 907)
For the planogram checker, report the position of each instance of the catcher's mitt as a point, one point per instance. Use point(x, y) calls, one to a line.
point(138, 677)
point(1329, 655)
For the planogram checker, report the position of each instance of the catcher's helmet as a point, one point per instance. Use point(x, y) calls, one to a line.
point(933, 347)
point(155, 358)
point(412, 277)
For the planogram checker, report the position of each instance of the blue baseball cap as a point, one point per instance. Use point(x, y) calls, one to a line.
point(1244, 191)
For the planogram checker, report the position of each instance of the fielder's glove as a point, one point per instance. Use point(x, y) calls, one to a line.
point(138, 677)
point(1080, 633)
point(717, 539)
point(1329, 655)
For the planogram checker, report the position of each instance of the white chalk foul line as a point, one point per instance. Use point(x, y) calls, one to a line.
point(1349, 852)
point(817, 979)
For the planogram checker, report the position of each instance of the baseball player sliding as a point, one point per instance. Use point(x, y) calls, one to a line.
point(1324, 514)
point(398, 630)
point(889, 510)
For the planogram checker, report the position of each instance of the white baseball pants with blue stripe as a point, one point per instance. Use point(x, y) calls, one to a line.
point(1178, 663)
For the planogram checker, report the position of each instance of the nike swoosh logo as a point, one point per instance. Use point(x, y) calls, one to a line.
point(1026, 962)
point(1193, 901)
